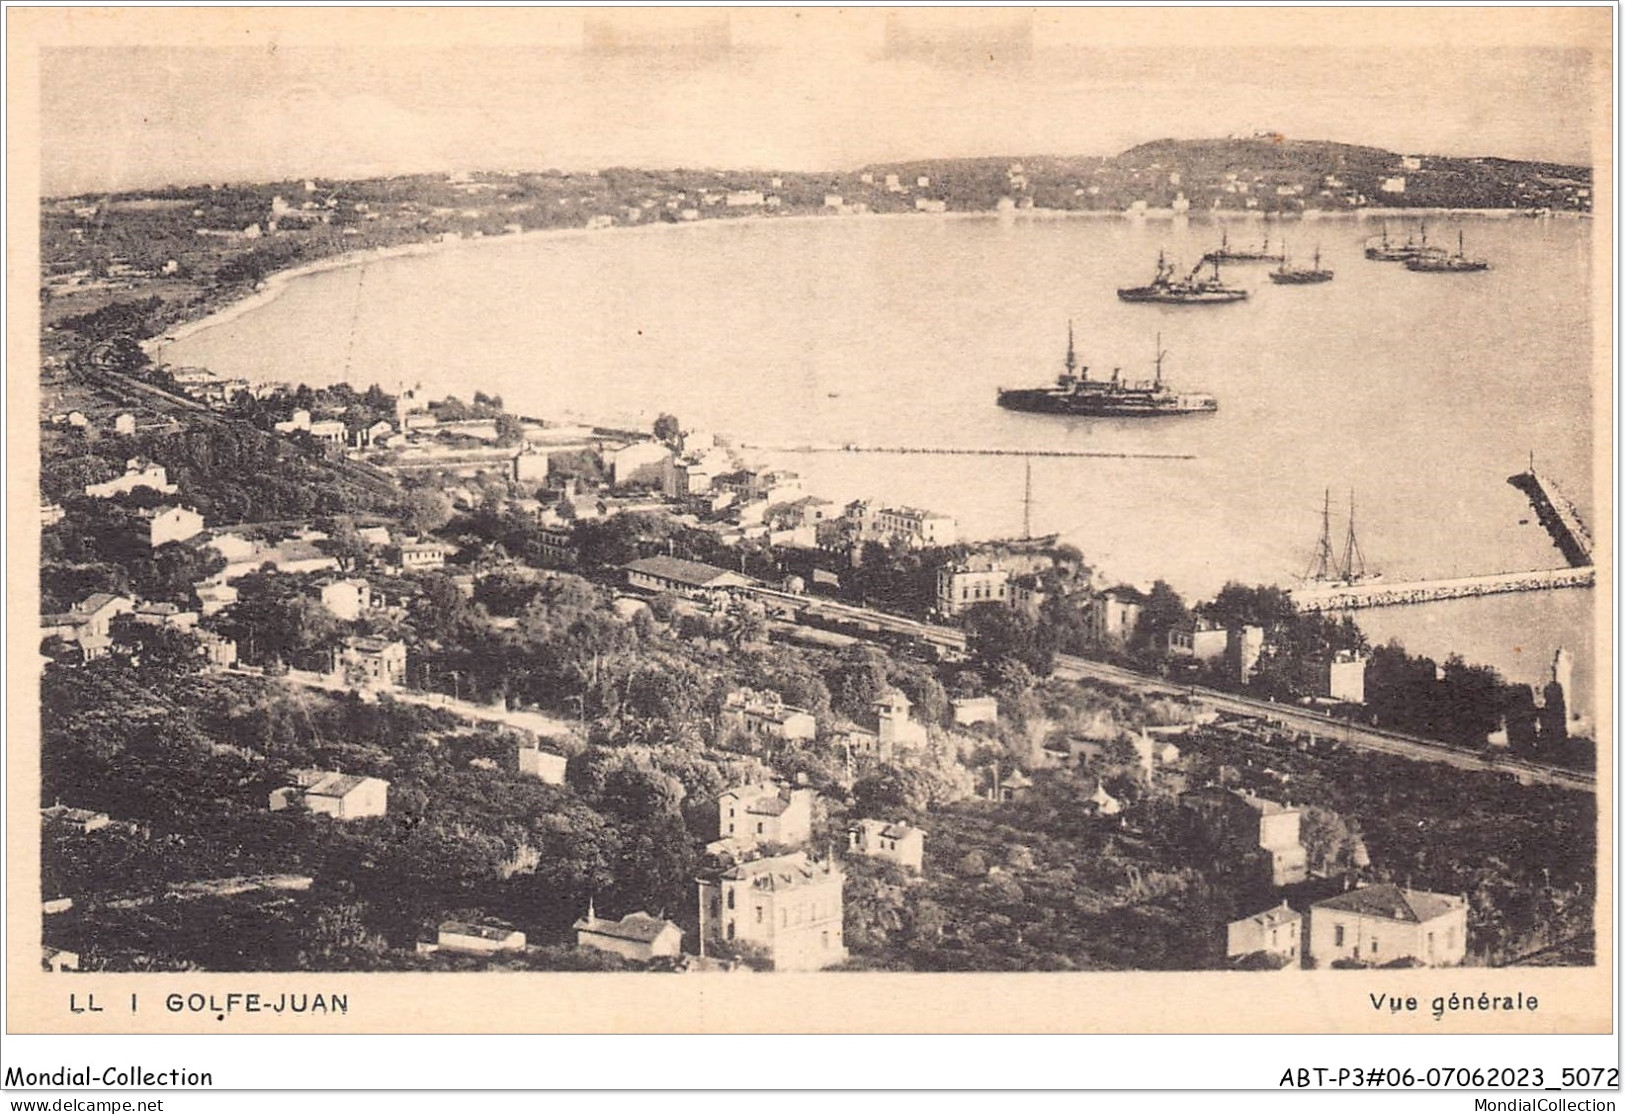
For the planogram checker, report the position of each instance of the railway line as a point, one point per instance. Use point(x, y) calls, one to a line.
point(1355, 735)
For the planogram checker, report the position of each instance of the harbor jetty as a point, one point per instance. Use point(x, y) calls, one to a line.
point(1353, 597)
point(928, 450)
point(1557, 514)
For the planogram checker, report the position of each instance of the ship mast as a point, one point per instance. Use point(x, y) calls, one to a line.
point(1160, 355)
point(1353, 560)
point(1324, 567)
point(1071, 352)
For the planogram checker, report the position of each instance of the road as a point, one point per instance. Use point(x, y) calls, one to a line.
point(1319, 723)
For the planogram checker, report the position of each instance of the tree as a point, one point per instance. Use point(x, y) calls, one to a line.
point(890, 791)
point(859, 680)
point(158, 651)
point(668, 430)
point(1328, 839)
point(510, 430)
point(273, 621)
point(994, 633)
point(425, 510)
point(1162, 612)
point(1265, 606)
point(344, 543)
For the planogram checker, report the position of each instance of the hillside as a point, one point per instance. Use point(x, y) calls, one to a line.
point(1267, 174)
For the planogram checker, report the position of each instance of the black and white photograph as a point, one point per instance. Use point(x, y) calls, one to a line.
point(680, 497)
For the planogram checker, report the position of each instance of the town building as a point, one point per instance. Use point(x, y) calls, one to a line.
point(893, 726)
point(556, 545)
point(378, 433)
point(765, 715)
point(692, 475)
point(771, 484)
point(88, 622)
point(1101, 802)
point(765, 813)
point(687, 578)
point(537, 763)
point(1242, 823)
point(416, 556)
point(1244, 647)
point(138, 472)
point(641, 462)
point(1007, 789)
point(1153, 752)
point(961, 585)
point(636, 936)
point(333, 432)
point(171, 524)
point(861, 741)
point(1383, 924)
point(1345, 678)
point(910, 525)
point(372, 661)
point(1113, 615)
point(164, 615)
point(348, 598)
point(898, 842)
point(1276, 932)
point(478, 938)
point(50, 514)
point(787, 910)
point(1199, 638)
point(341, 796)
point(807, 511)
point(298, 422)
point(1027, 594)
point(218, 652)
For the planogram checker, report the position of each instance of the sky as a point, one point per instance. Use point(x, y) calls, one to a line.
point(157, 99)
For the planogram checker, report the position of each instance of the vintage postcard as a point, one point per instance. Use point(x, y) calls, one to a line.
point(809, 521)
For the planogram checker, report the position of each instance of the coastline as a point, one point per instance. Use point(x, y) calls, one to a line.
point(273, 285)
point(1115, 566)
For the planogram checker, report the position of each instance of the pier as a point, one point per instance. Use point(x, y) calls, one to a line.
point(1352, 597)
point(903, 450)
point(1557, 514)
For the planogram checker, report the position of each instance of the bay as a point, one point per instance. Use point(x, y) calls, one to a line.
point(1418, 393)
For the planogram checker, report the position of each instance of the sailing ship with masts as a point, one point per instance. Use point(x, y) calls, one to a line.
point(1288, 275)
point(1328, 567)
